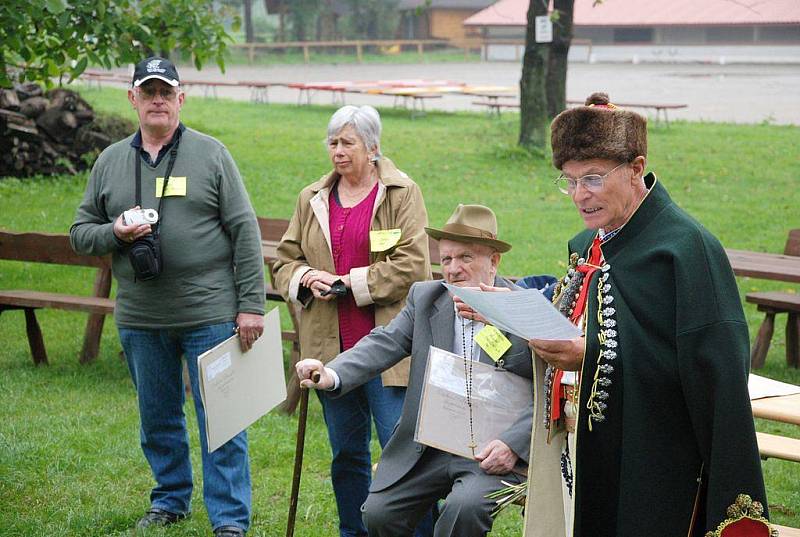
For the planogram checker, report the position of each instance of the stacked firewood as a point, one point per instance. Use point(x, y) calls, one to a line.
point(44, 133)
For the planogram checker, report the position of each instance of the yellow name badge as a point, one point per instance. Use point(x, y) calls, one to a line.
point(381, 240)
point(175, 187)
point(493, 342)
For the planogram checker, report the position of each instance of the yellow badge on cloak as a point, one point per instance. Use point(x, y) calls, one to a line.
point(175, 187)
point(381, 240)
point(493, 342)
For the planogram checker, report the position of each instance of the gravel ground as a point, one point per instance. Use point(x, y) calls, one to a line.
point(729, 93)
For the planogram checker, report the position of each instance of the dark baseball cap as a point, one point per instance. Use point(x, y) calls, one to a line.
point(155, 67)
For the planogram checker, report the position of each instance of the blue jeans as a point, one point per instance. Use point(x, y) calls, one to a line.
point(349, 430)
point(155, 364)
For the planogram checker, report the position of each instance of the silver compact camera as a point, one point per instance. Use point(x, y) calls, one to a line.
point(139, 217)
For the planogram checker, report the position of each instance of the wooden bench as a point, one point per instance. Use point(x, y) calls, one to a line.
point(56, 249)
point(494, 106)
point(778, 447)
point(272, 230)
point(773, 303)
point(660, 108)
point(784, 531)
point(209, 86)
point(259, 90)
point(417, 98)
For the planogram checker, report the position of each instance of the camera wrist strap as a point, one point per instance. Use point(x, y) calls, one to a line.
point(173, 154)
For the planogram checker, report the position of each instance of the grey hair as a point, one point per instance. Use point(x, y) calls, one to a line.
point(365, 120)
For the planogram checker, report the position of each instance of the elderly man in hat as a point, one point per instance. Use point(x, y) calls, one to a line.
point(645, 426)
point(186, 281)
point(410, 476)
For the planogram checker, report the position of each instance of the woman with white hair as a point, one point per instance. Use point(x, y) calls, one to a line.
point(355, 244)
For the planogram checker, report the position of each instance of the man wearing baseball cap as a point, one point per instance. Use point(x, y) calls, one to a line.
point(411, 477)
point(185, 284)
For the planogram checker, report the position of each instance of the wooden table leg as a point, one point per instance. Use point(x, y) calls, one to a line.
point(94, 324)
point(761, 345)
point(35, 339)
point(793, 340)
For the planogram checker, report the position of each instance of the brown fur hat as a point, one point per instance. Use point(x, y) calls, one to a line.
point(598, 130)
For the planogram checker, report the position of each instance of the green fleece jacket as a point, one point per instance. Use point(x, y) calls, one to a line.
point(213, 266)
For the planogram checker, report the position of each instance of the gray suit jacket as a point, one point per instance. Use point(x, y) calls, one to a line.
point(427, 319)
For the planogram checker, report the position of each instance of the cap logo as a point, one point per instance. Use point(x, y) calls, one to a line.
point(154, 66)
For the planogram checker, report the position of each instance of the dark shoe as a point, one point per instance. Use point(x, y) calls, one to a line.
point(228, 531)
point(158, 517)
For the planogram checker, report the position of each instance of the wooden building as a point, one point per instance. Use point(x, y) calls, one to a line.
point(718, 31)
point(437, 19)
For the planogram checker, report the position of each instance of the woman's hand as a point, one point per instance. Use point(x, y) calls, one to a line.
point(563, 354)
point(320, 281)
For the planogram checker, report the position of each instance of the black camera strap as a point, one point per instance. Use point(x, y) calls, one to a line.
point(173, 154)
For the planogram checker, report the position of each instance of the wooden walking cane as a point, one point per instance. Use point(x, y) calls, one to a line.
point(298, 456)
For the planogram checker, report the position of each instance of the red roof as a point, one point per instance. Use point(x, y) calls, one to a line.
point(652, 13)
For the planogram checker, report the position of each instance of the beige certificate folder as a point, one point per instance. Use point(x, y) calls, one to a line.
point(238, 388)
point(499, 398)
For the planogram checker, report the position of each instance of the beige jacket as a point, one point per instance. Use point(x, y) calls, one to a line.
point(384, 283)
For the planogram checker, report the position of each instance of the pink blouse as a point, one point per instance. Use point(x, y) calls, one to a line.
point(350, 243)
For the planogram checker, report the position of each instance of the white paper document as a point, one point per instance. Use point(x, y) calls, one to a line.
point(760, 387)
point(238, 388)
point(499, 398)
point(525, 313)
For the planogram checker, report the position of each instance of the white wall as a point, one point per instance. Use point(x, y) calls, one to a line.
point(722, 54)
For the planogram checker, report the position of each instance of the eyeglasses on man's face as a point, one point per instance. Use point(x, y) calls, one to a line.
point(592, 182)
point(148, 93)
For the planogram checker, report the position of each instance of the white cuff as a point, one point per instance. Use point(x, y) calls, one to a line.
point(294, 284)
point(358, 284)
point(336, 380)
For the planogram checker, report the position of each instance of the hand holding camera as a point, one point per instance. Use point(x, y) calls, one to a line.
point(144, 250)
point(324, 285)
point(140, 216)
point(134, 224)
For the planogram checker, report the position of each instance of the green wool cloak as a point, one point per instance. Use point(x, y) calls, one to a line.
point(677, 411)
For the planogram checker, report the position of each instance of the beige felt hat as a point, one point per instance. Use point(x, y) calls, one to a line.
point(473, 224)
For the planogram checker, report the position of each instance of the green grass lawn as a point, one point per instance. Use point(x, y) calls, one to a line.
point(70, 463)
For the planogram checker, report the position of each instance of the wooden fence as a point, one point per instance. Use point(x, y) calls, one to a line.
point(358, 46)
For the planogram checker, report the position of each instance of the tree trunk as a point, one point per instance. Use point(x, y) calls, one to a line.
point(533, 99)
point(249, 35)
point(556, 83)
point(281, 36)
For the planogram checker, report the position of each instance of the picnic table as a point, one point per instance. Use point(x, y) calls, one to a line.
point(776, 401)
point(259, 89)
point(661, 109)
point(417, 96)
point(780, 267)
point(493, 96)
point(785, 408)
point(209, 86)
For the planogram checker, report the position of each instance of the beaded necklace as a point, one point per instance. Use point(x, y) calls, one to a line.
point(468, 377)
